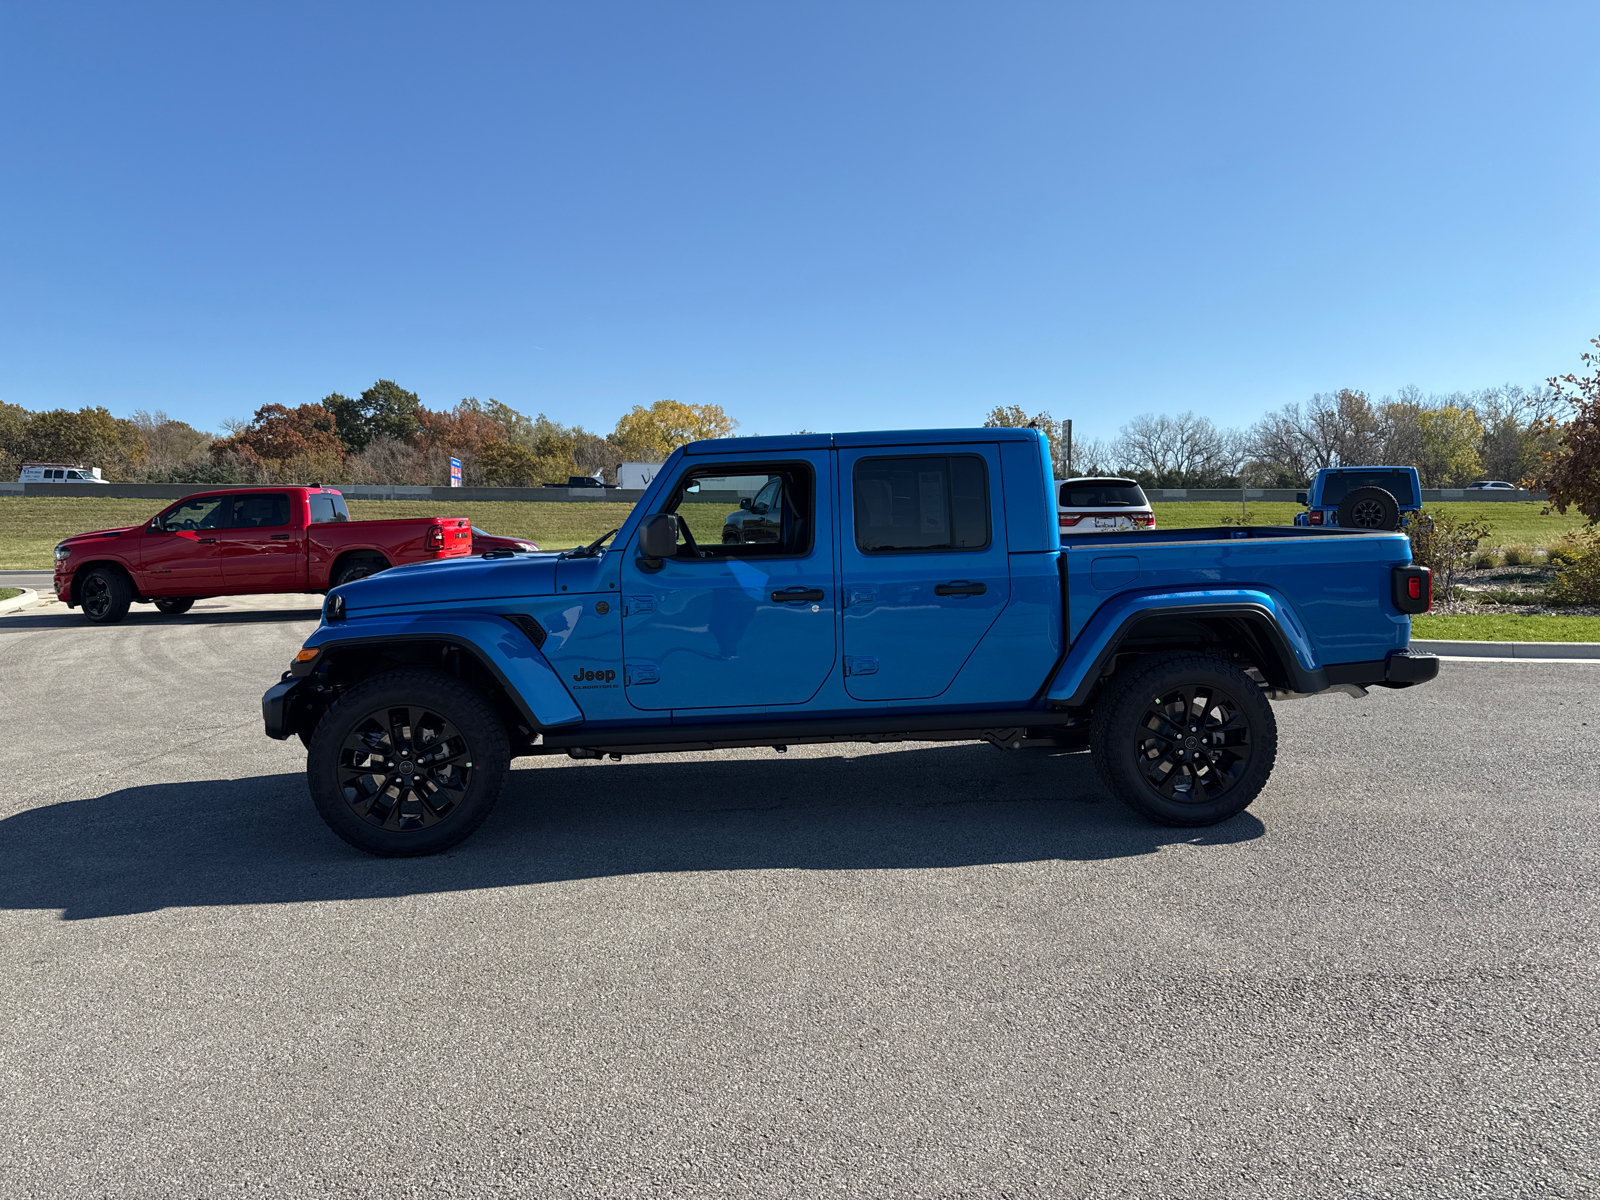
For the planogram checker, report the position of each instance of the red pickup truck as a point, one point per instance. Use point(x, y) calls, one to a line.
point(242, 541)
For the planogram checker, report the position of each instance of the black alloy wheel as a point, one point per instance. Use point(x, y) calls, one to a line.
point(105, 595)
point(174, 606)
point(1185, 739)
point(404, 767)
point(409, 762)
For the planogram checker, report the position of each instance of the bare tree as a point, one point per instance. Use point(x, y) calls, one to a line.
point(1180, 451)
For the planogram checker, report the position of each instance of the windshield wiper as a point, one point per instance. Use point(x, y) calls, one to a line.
point(592, 550)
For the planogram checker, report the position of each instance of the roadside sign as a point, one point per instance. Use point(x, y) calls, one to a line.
point(455, 472)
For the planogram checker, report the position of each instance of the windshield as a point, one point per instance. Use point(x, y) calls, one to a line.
point(1336, 485)
point(1102, 493)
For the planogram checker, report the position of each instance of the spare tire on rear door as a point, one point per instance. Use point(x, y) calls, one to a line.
point(1369, 508)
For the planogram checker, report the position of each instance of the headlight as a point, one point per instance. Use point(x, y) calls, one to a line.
point(62, 552)
point(333, 609)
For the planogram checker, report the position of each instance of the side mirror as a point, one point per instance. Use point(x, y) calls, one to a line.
point(1302, 498)
point(658, 540)
point(744, 503)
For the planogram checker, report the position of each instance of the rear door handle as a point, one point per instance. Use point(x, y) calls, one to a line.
point(959, 587)
point(282, 537)
point(796, 594)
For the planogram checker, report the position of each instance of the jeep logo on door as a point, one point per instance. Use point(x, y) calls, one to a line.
point(596, 678)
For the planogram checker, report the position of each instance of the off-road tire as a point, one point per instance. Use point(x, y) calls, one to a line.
point(384, 810)
point(105, 595)
point(359, 566)
point(1165, 777)
point(174, 606)
point(1369, 508)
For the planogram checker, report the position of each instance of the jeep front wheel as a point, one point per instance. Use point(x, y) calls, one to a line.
point(1184, 739)
point(407, 763)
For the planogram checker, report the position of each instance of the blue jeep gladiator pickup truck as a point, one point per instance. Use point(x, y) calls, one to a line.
point(909, 586)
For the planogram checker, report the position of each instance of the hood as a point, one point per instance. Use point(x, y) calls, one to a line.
point(99, 533)
point(452, 580)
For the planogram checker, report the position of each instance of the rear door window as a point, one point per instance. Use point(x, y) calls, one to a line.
point(1336, 485)
point(260, 510)
point(925, 503)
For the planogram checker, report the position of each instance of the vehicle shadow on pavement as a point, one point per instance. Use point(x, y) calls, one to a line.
point(259, 841)
point(25, 620)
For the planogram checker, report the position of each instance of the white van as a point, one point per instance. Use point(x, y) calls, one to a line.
point(58, 473)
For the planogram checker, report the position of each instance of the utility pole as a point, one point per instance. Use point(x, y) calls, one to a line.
point(1069, 447)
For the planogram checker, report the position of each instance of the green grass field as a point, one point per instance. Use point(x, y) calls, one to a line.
point(7, 593)
point(30, 526)
point(1516, 523)
point(1500, 627)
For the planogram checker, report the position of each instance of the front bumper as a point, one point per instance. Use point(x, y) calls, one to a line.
point(282, 709)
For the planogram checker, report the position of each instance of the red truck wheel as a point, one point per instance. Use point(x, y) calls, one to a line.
point(105, 595)
point(1184, 739)
point(359, 566)
point(407, 763)
point(174, 606)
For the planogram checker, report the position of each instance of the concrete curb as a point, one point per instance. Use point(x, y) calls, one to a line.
point(1529, 650)
point(28, 598)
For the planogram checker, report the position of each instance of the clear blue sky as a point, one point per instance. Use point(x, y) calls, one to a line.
point(822, 216)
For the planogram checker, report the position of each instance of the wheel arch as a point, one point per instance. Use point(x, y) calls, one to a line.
point(356, 552)
point(1248, 634)
point(515, 678)
point(81, 572)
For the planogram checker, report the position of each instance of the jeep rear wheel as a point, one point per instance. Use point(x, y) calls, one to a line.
point(105, 595)
point(1184, 739)
point(409, 762)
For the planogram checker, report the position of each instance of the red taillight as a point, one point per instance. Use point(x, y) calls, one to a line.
point(1070, 519)
point(1315, 517)
point(1145, 520)
point(434, 538)
point(1413, 589)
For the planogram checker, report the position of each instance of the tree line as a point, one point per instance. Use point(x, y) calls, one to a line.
point(1497, 433)
point(385, 435)
point(1547, 437)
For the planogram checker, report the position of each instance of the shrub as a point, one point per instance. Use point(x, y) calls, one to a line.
point(1578, 582)
point(1445, 544)
point(1485, 559)
point(1518, 556)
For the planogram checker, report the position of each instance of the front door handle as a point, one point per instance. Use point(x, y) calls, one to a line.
point(959, 587)
point(205, 541)
point(282, 537)
point(796, 594)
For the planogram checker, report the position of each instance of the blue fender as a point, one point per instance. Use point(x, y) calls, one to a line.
point(1105, 630)
point(528, 677)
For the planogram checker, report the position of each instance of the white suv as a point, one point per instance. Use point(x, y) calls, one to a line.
point(1102, 505)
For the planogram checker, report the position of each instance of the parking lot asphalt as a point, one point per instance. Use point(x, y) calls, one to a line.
point(911, 970)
